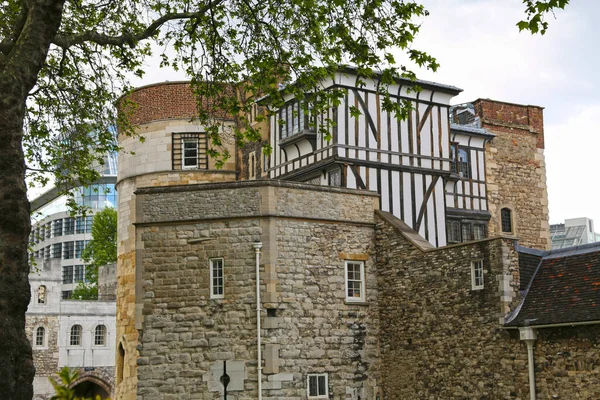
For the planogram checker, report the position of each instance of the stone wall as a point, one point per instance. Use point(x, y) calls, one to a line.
point(516, 170)
point(307, 325)
point(567, 363)
point(443, 340)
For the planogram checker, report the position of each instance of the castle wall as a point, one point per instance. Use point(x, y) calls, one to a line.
point(307, 233)
point(516, 170)
point(444, 340)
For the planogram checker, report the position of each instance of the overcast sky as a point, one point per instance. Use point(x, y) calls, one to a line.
point(481, 51)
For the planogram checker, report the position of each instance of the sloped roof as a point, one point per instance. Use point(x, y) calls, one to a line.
point(564, 289)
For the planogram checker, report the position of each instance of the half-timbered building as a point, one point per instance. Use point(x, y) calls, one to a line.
point(405, 161)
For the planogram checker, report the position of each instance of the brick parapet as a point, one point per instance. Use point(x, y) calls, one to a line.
point(166, 100)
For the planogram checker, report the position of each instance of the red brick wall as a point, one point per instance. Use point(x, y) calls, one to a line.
point(169, 100)
point(514, 118)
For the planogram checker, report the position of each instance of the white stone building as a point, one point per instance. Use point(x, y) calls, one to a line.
point(65, 332)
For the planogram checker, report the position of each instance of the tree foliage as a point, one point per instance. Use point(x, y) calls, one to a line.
point(101, 250)
point(536, 13)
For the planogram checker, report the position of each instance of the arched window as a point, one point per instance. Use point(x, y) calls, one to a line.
point(42, 294)
point(40, 336)
point(506, 220)
point(75, 339)
point(120, 363)
point(100, 335)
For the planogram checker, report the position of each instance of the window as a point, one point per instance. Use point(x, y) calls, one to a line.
point(100, 335)
point(67, 294)
point(454, 232)
point(459, 161)
point(57, 250)
point(89, 219)
point(75, 338)
point(42, 294)
point(335, 177)
point(355, 281)
point(216, 278)
point(506, 220)
point(68, 250)
point(40, 337)
point(48, 230)
point(477, 275)
point(190, 151)
point(67, 274)
point(57, 227)
point(293, 119)
point(68, 226)
point(318, 386)
point(79, 246)
point(47, 253)
point(465, 230)
point(79, 225)
point(78, 273)
point(252, 165)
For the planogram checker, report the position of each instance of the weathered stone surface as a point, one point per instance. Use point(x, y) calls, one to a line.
point(306, 275)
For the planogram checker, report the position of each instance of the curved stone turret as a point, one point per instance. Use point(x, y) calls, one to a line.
point(173, 152)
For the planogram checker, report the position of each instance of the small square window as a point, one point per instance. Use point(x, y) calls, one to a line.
point(318, 387)
point(477, 275)
point(217, 279)
point(355, 281)
point(190, 153)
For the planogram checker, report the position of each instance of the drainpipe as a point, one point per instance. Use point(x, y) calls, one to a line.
point(529, 335)
point(257, 247)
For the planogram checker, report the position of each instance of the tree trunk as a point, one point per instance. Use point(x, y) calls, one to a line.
point(19, 69)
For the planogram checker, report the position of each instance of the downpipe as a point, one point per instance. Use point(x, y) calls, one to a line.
point(257, 247)
point(529, 336)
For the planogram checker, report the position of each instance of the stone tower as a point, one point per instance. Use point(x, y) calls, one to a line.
point(516, 171)
point(174, 152)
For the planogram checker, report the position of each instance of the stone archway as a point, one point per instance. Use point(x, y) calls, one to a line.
point(90, 387)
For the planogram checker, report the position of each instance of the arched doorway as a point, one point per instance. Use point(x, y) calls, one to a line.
point(90, 387)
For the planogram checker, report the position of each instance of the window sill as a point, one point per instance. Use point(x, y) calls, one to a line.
point(357, 303)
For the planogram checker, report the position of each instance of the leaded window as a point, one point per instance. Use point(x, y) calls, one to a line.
point(506, 220)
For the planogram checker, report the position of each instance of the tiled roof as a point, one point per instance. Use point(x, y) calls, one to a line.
point(564, 289)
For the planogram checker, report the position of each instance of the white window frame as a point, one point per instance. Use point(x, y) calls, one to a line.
point(44, 338)
point(212, 268)
point(317, 396)
point(103, 336)
point(354, 299)
point(79, 336)
point(183, 158)
point(477, 280)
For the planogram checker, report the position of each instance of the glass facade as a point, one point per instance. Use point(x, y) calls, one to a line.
point(96, 197)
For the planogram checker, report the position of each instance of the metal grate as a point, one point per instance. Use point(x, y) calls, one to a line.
point(190, 151)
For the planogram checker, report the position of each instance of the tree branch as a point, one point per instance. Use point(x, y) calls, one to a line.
point(66, 41)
